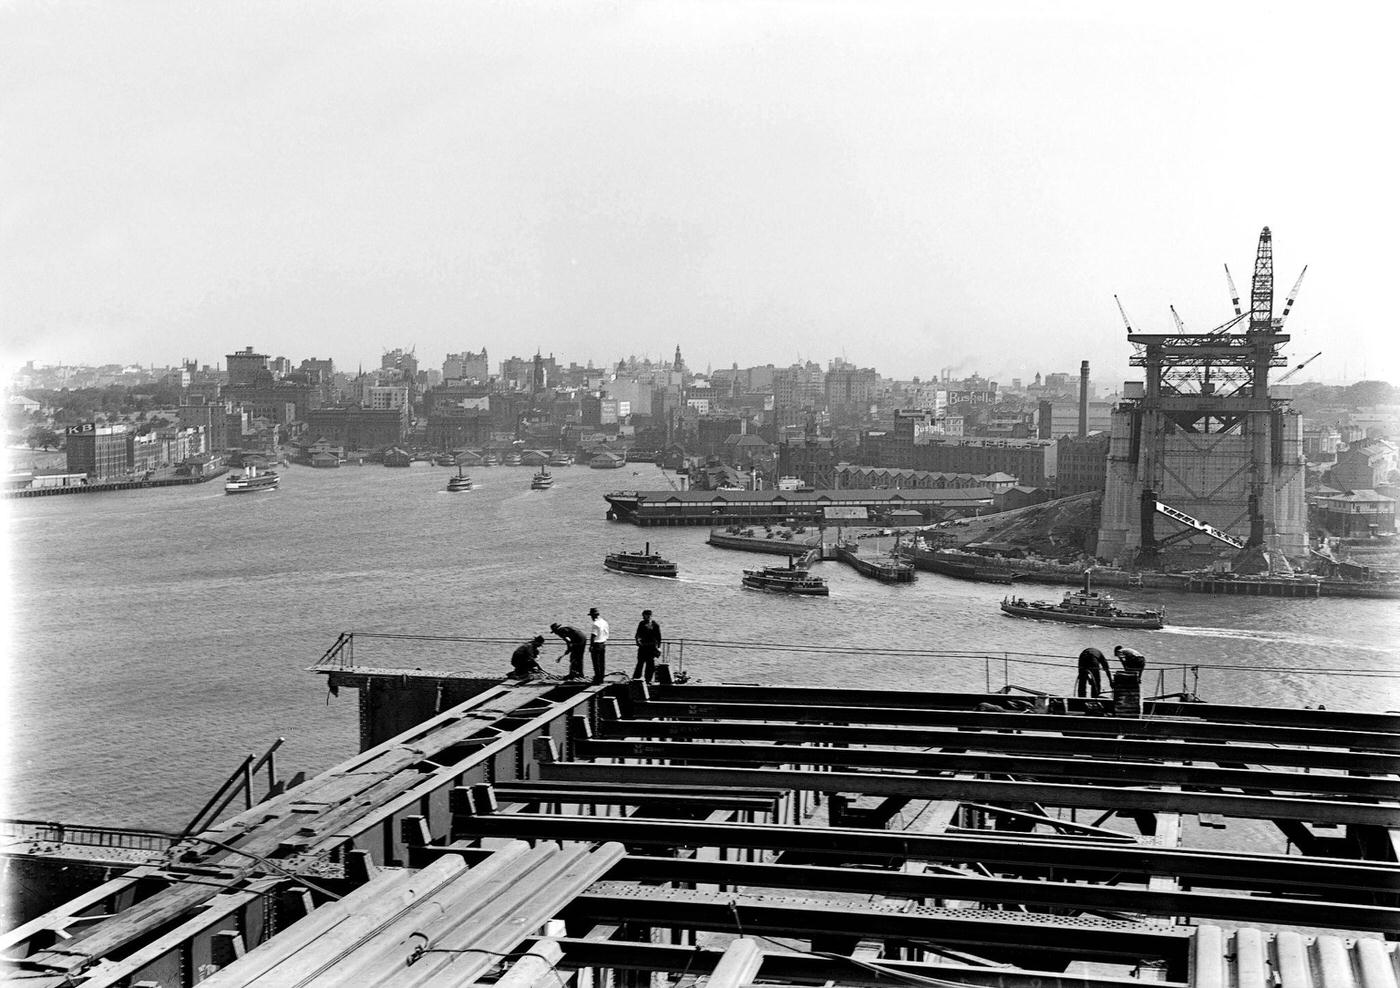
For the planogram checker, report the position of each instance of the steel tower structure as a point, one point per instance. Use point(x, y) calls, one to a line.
point(1205, 438)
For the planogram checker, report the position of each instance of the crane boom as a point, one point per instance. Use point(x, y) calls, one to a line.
point(1124, 314)
point(1180, 326)
point(1293, 294)
point(1234, 292)
point(1197, 524)
point(1298, 368)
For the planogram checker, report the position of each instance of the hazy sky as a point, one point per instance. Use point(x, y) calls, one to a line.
point(915, 186)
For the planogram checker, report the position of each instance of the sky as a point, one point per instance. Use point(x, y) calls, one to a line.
point(916, 187)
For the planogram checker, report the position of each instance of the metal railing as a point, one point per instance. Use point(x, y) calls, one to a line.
point(50, 832)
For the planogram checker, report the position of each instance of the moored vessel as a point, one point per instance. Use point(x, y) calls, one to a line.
point(1086, 606)
point(559, 458)
point(644, 563)
point(786, 579)
point(252, 481)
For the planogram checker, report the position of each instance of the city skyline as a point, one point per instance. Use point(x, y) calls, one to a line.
point(959, 184)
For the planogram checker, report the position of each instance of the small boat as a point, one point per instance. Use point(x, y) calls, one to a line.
point(542, 481)
point(252, 480)
point(644, 563)
point(1086, 607)
point(461, 482)
point(786, 579)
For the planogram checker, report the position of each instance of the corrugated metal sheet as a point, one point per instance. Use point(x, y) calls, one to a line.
point(1252, 958)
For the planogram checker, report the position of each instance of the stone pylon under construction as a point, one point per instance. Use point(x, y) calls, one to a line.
point(1202, 460)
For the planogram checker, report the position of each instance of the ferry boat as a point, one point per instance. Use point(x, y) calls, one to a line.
point(511, 459)
point(488, 459)
point(1086, 607)
point(461, 482)
point(644, 563)
point(542, 481)
point(252, 480)
point(445, 460)
point(559, 458)
point(786, 579)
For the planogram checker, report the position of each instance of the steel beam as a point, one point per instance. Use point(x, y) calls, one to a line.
point(1128, 727)
point(984, 791)
point(1213, 869)
point(982, 931)
point(1003, 741)
point(1044, 894)
point(1114, 772)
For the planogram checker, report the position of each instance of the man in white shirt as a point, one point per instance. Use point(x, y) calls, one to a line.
point(598, 644)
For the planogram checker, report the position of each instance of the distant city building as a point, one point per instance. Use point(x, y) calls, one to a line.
point(1061, 418)
point(197, 411)
point(1364, 465)
point(1081, 464)
point(98, 450)
point(245, 366)
point(1356, 514)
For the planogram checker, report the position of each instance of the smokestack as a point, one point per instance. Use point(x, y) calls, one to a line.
point(1083, 398)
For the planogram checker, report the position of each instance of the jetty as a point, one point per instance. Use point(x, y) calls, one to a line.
point(551, 834)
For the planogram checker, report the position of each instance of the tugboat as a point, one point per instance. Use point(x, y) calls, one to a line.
point(542, 481)
point(786, 579)
point(252, 481)
point(1086, 607)
point(644, 563)
point(461, 482)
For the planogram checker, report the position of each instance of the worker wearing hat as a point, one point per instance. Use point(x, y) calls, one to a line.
point(522, 660)
point(598, 644)
point(575, 641)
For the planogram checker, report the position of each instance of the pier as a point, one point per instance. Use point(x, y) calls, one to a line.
point(558, 834)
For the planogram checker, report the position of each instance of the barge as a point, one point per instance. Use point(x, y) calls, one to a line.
point(886, 569)
point(483, 834)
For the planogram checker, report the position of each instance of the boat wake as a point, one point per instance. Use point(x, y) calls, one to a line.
point(1261, 635)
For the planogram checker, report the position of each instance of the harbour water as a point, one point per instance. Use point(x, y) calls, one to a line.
point(159, 636)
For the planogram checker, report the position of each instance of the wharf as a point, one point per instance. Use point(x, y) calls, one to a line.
point(774, 544)
point(791, 507)
point(551, 834)
point(104, 486)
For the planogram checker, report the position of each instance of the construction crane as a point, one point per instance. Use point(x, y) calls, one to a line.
point(1293, 294)
point(1295, 370)
point(1180, 326)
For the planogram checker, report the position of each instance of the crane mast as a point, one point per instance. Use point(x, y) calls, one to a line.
point(1261, 295)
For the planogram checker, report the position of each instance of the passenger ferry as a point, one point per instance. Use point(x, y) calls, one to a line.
point(252, 480)
point(461, 482)
point(786, 579)
point(542, 481)
point(644, 563)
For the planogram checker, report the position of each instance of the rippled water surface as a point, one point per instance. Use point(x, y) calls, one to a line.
point(160, 636)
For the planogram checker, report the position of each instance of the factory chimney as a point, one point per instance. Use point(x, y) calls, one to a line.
point(1083, 398)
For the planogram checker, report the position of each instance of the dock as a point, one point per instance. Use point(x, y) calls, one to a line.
point(553, 834)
